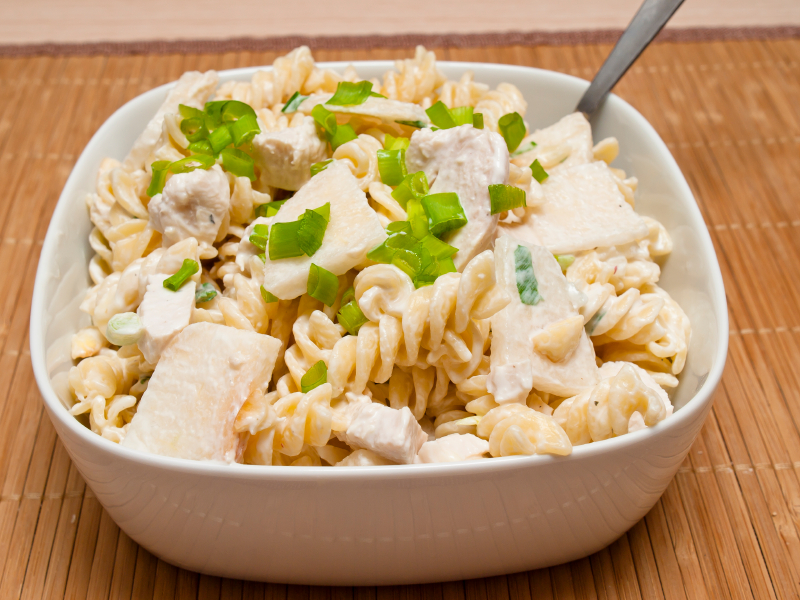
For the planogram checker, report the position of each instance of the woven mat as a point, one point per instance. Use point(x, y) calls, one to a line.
point(727, 526)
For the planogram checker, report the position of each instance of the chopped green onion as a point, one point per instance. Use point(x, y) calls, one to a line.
point(124, 329)
point(446, 265)
point(283, 241)
point(417, 218)
point(505, 197)
point(512, 128)
point(189, 112)
point(201, 147)
point(234, 110)
point(344, 134)
point(407, 261)
point(381, 253)
point(190, 163)
point(262, 256)
point(239, 163)
point(244, 130)
point(349, 294)
point(320, 166)
point(401, 241)
point(444, 211)
point(188, 268)
point(324, 210)
point(194, 129)
point(322, 285)
point(294, 103)
point(462, 115)
point(477, 120)
point(398, 227)
point(204, 293)
point(564, 260)
point(260, 236)
point(268, 297)
point(325, 119)
point(311, 231)
point(377, 95)
point(214, 111)
point(314, 377)
point(416, 124)
point(350, 317)
point(539, 174)
point(392, 166)
point(395, 143)
point(220, 138)
point(270, 209)
point(440, 116)
point(413, 186)
point(527, 285)
point(437, 248)
point(526, 147)
point(160, 168)
point(350, 94)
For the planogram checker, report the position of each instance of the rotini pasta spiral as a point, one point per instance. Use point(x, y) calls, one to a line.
point(516, 429)
point(361, 157)
point(501, 101)
point(416, 79)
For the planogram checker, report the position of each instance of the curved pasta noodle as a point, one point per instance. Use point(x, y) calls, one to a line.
point(517, 429)
point(361, 157)
point(498, 102)
point(415, 80)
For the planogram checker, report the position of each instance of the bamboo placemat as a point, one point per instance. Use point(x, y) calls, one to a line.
point(728, 525)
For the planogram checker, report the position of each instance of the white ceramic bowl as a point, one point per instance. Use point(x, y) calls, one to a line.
point(400, 524)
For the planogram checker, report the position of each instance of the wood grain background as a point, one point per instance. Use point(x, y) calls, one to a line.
point(728, 525)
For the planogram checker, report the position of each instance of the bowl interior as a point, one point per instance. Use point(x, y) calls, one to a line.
point(690, 274)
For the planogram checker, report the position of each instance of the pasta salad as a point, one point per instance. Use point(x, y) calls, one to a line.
point(312, 269)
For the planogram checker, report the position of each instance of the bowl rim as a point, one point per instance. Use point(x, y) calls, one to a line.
point(693, 408)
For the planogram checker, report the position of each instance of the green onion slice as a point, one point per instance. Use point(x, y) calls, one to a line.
point(294, 103)
point(220, 138)
point(201, 147)
point(350, 94)
point(444, 211)
point(539, 174)
point(527, 285)
point(416, 124)
point(270, 209)
point(268, 297)
point(244, 130)
point(407, 261)
point(239, 163)
point(204, 293)
point(190, 163)
point(188, 268)
point(325, 119)
point(156, 186)
point(440, 116)
point(124, 329)
point(417, 218)
point(392, 166)
point(505, 197)
point(565, 260)
point(512, 128)
point(446, 265)
point(214, 111)
point(260, 236)
point(234, 110)
point(314, 377)
point(395, 143)
point(311, 231)
point(350, 317)
point(322, 285)
point(462, 115)
point(349, 294)
point(398, 227)
point(381, 253)
point(344, 134)
point(283, 241)
point(437, 248)
point(413, 186)
point(189, 112)
point(320, 166)
point(526, 147)
point(477, 120)
point(194, 129)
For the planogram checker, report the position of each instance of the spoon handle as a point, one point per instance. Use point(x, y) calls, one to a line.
point(646, 23)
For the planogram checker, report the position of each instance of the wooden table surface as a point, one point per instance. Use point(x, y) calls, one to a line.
point(729, 524)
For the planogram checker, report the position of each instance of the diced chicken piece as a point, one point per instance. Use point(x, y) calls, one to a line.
point(192, 89)
point(193, 204)
point(363, 458)
point(516, 367)
point(388, 432)
point(388, 111)
point(353, 230)
point(466, 161)
point(164, 314)
point(453, 448)
point(611, 369)
point(564, 144)
point(285, 157)
point(196, 391)
point(582, 209)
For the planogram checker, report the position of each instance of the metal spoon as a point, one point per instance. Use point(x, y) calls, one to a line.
point(647, 22)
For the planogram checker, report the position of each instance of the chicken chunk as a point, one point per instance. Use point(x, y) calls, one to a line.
point(520, 358)
point(192, 89)
point(194, 204)
point(583, 209)
point(353, 230)
point(453, 448)
point(164, 314)
point(388, 111)
point(388, 432)
point(466, 161)
point(285, 157)
point(563, 144)
point(196, 391)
